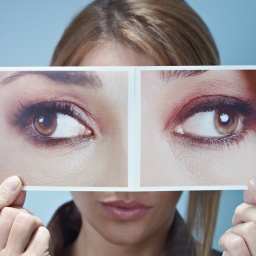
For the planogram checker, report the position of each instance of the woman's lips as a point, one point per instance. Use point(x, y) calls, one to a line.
point(122, 210)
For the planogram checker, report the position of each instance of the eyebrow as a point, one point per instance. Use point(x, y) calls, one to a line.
point(167, 75)
point(78, 78)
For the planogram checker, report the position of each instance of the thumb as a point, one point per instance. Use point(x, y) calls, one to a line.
point(9, 191)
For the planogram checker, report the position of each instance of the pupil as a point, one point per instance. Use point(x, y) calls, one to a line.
point(225, 119)
point(45, 121)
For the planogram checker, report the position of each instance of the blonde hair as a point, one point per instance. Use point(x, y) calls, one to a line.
point(170, 33)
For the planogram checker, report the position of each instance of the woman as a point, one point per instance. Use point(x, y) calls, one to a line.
point(133, 33)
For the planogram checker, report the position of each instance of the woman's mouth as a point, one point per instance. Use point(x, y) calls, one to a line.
point(123, 210)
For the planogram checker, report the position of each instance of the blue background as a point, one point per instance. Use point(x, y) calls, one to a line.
point(29, 31)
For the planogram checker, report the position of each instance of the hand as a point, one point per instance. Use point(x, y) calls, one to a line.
point(241, 238)
point(21, 233)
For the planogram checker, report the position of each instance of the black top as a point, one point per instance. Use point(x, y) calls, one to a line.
point(65, 225)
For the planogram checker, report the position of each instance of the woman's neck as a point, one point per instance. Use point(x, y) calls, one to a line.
point(91, 243)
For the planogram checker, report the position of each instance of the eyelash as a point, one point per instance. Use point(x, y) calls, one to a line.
point(246, 109)
point(24, 115)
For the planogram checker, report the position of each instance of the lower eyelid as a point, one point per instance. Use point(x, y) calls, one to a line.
point(209, 143)
point(48, 142)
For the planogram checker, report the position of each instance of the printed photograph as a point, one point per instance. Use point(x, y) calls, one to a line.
point(64, 128)
point(198, 127)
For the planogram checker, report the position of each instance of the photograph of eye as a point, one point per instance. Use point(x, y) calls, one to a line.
point(198, 127)
point(62, 128)
point(54, 121)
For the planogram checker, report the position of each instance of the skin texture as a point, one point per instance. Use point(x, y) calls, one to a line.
point(22, 234)
point(72, 163)
point(169, 158)
point(145, 235)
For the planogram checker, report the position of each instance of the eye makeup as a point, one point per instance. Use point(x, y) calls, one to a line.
point(39, 121)
point(180, 132)
point(64, 133)
point(239, 114)
point(201, 129)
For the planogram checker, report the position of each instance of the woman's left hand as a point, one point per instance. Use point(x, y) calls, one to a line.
point(240, 240)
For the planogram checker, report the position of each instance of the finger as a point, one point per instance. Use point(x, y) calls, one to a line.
point(248, 232)
point(40, 242)
point(233, 245)
point(248, 197)
point(250, 194)
point(7, 217)
point(225, 254)
point(244, 213)
point(20, 200)
point(9, 191)
point(22, 229)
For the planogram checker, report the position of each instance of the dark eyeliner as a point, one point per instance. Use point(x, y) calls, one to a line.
point(205, 104)
point(246, 109)
point(24, 115)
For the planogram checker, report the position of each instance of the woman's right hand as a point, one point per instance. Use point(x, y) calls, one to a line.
point(21, 233)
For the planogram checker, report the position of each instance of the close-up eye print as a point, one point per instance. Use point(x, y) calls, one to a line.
point(198, 127)
point(75, 128)
point(62, 128)
point(54, 122)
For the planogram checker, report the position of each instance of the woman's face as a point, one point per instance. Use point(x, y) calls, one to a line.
point(124, 218)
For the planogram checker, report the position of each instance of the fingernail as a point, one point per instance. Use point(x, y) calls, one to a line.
point(252, 184)
point(11, 184)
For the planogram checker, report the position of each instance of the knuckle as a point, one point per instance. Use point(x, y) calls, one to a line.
point(44, 232)
point(25, 217)
point(237, 242)
point(223, 241)
point(249, 228)
point(240, 209)
point(7, 211)
point(239, 213)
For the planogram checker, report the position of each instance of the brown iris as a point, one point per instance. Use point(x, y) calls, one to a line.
point(45, 124)
point(226, 121)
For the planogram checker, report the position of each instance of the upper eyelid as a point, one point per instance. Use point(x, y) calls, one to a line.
point(210, 102)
